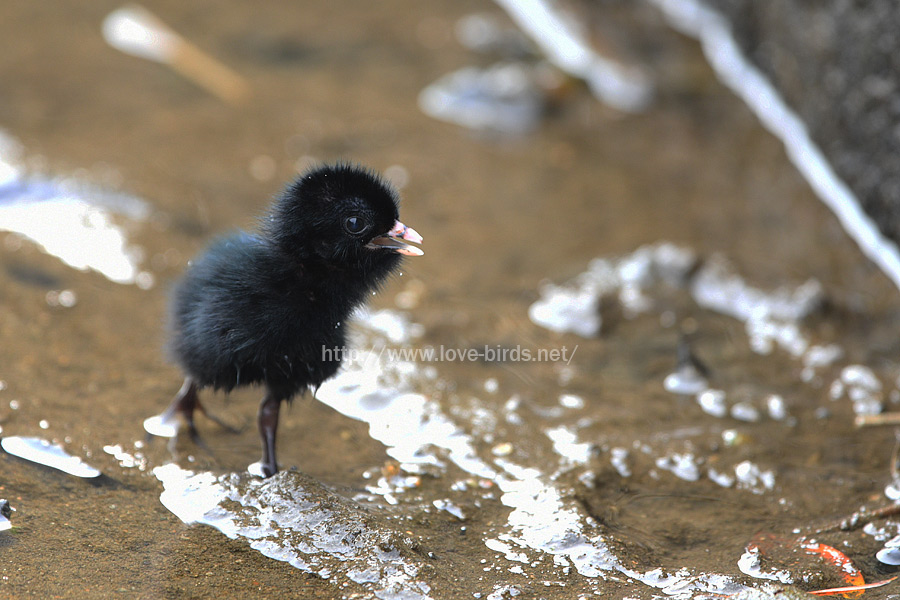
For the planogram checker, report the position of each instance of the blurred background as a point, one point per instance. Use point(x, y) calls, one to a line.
point(583, 180)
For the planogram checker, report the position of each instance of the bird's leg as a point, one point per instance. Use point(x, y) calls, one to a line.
point(183, 406)
point(268, 427)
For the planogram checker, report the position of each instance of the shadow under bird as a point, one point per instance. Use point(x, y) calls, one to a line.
point(263, 308)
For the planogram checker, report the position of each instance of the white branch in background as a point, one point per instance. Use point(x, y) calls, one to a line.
point(623, 88)
point(738, 73)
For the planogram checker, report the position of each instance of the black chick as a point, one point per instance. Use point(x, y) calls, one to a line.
point(271, 308)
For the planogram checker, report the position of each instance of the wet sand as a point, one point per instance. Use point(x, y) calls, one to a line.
point(499, 217)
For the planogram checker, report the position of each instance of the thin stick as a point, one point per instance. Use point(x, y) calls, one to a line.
point(134, 30)
point(890, 418)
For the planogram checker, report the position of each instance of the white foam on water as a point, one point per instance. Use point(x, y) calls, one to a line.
point(566, 444)
point(46, 453)
point(770, 317)
point(504, 98)
point(378, 393)
point(78, 233)
point(890, 553)
point(733, 68)
point(392, 324)
point(618, 458)
point(773, 319)
point(127, 460)
point(571, 401)
point(684, 466)
point(713, 402)
point(283, 521)
point(69, 220)
point(749, 564)
point(624, 88)
point(750, 476)
point(575, 306)
point(723, 479)
point(860, 385)
point(685, 381)
point(776, 407)
point(744, 411)
point(162, 425)
point(564, 310)
point(450, 507)
point(543, 520)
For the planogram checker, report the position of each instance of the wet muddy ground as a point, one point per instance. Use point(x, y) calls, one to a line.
point(572, 478)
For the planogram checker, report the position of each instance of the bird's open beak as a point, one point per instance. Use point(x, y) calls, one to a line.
point(392, 240)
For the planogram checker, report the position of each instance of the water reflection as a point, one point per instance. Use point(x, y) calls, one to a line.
point(543, 521)
point(70, 220)
point(48, 454)
point(558, 480)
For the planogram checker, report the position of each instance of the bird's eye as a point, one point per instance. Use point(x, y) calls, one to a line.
point(354, 225)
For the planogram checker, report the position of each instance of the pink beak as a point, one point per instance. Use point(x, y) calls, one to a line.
point(392, 240)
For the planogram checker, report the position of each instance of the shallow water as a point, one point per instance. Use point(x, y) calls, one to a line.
point(494, 477)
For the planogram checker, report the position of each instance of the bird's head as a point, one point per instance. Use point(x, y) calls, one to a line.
point(344, 215)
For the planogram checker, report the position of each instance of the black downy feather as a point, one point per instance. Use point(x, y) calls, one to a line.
point(258, 308)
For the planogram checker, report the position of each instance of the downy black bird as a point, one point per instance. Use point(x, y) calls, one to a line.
point(259, 308)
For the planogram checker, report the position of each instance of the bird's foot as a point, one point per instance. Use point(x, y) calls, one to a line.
point(163, 425)
point(180, 414)
point(180, 410)
point(261, 469)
